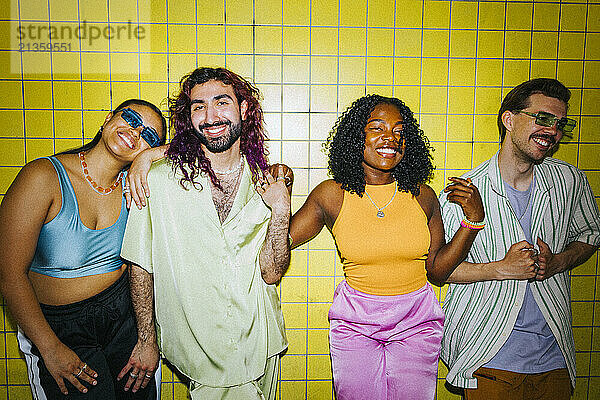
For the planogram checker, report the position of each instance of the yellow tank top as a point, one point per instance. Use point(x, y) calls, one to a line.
point(383, 256)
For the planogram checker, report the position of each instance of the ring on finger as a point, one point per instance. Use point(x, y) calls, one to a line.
point(84, 367)
point(131, 374)
point(78, 373)
point(148, 376)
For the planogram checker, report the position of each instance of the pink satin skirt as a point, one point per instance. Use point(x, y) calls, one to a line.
point(385, 347)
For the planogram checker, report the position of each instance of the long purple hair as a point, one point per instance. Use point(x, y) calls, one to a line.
point(185, 151)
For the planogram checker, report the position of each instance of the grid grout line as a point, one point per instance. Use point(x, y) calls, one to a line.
point(52, 88)
point(139, 58)
point(590, 364)
point(80, 74)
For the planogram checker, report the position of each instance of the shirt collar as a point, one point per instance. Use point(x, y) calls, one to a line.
point(540, 175)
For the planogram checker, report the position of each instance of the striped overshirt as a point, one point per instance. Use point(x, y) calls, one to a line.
point(480, 316)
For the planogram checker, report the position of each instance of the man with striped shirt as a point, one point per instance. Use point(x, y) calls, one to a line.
point(508, 314)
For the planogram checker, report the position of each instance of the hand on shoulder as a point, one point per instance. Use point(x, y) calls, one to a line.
point(281, 170)
point(276, 170)
point(137, 189)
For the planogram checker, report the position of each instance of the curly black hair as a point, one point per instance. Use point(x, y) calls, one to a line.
point(346, 144)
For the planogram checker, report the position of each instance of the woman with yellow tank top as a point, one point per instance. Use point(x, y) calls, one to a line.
point(385, 321)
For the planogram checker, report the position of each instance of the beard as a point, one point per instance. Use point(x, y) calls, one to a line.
point(529, 153)
point(223, 142)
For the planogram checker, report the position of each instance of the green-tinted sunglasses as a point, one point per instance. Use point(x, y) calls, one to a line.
point(565, 125)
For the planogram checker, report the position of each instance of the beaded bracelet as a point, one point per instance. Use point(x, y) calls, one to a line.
point(476, 226)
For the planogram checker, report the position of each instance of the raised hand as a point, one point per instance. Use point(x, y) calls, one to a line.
point(136, 186)
point(464, 193)
point(276, 169)
point(273, 190)
point(274, 255)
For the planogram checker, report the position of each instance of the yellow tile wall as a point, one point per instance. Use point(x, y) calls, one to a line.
point(451, 61)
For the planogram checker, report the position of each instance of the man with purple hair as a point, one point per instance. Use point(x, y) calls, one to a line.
point(212, 242)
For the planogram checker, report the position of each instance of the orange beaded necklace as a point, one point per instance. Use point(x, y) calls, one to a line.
point(97, 188)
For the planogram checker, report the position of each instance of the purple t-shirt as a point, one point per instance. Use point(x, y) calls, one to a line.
point(531, 347)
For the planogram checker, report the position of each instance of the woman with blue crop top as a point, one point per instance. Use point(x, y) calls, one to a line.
point(61, 225)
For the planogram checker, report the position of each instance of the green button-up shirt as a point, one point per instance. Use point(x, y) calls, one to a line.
point(217, 320)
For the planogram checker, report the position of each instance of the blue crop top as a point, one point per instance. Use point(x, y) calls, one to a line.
point(67, 248)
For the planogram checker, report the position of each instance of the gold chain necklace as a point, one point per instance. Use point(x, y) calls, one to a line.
point(380, 213)
point(97, 188)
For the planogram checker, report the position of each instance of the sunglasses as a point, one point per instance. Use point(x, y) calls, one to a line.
point(565, 125)
point(135, 120)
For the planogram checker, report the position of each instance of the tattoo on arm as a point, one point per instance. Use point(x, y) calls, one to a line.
point(142, 298)
point(275, 253)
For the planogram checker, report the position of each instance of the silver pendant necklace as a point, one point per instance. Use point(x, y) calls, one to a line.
point(380, 213)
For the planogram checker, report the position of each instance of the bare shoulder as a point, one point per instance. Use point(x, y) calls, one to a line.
point(329, 185)
point(427, 192)
point(327, 190)
point(70, 162)
point(428, 200)
point(320, 208)
point(329, 196)
point(39, 172)
point(35, 187)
